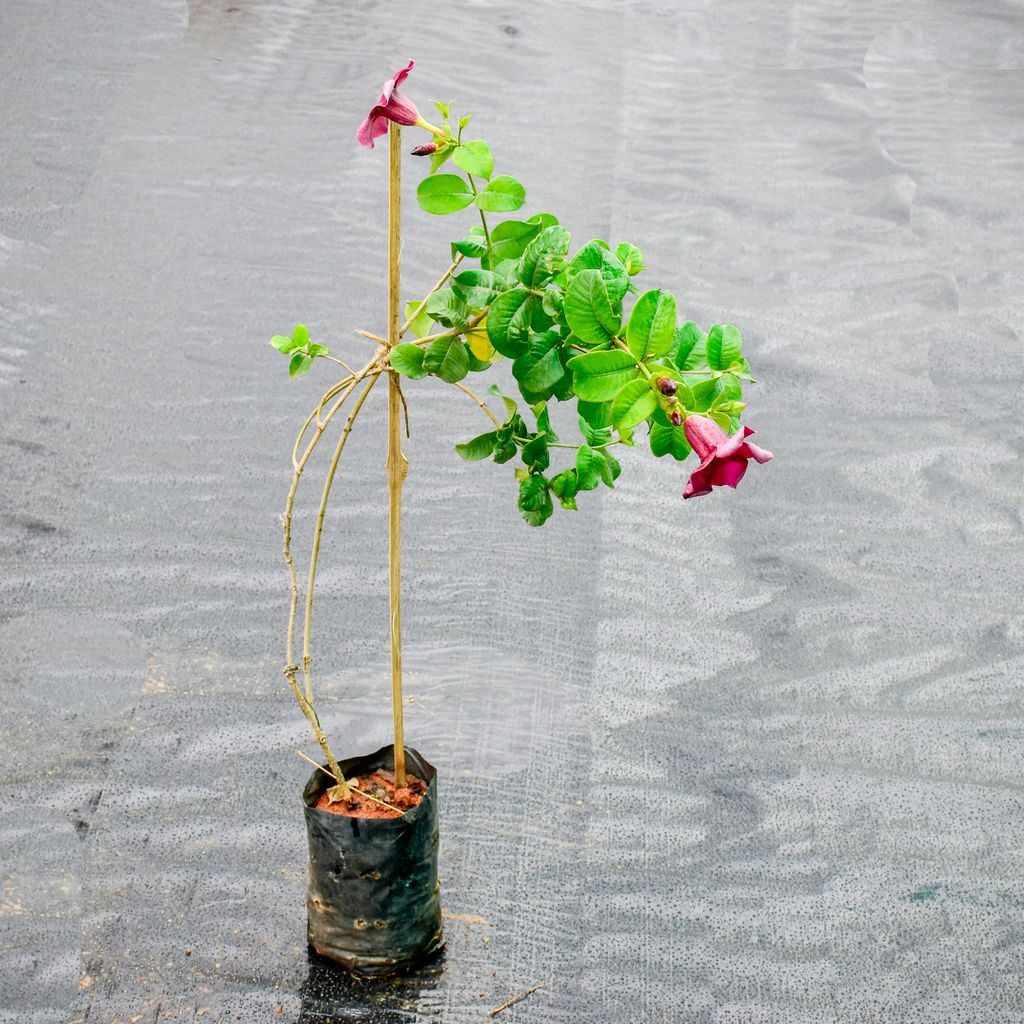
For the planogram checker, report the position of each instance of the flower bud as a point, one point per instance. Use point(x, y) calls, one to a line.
point(666, 385)
point(425, 150)
point(675, 418)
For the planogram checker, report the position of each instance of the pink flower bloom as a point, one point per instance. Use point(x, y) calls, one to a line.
point(723, 459)
point(391, 107)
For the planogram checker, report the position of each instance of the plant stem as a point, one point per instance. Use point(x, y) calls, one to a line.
point(479, 401)
point(397, 464)
point(372, 337)
point(306, 699)
point(620, 344)
point(339, 362)
point(558, 444)
point(483, 221)
point(454, 331)
point(314, 415)
point(423, 305)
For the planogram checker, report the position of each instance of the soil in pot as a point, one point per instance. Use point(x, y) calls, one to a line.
point(376, 796)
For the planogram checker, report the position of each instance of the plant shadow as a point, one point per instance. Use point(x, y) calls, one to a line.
point(331, 995)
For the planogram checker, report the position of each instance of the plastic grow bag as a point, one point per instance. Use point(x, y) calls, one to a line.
point(374, 897)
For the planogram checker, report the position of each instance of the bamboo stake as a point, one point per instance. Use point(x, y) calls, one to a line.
point(397, 465)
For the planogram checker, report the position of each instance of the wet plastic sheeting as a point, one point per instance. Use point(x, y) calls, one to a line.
point(755, 758)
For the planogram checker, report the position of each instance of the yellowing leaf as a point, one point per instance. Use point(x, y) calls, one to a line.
point(479, 342)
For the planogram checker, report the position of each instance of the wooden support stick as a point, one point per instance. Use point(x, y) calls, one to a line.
point(397, 465)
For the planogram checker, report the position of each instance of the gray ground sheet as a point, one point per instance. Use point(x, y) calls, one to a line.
point(751, 758)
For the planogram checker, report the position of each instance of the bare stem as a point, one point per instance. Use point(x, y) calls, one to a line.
point(300, 465)
point(479, 401)
point(315, 415)
point(305, 700)
point(307, 659)
point(340, 362)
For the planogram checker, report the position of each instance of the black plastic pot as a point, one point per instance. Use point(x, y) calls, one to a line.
point(374, 898)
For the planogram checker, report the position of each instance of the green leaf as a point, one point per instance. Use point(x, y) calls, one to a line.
point(444, 193)
point(599, 376)
point(440, 155)
point(609, 468)
point(447, 308)
point(300, 335)
point(541, 411)
point(511, 407)
point(723, 419)
point(588, 468)
point(543, 220)
point(535, 453)
point(588, 310)
point(595, 256)
point(704, 393)
point(597, 414)
point(565, 487)
point(283, 344)
point(478, 287)
point(317, 350)
point(479, 447)
point(504, 451)
point(300, 364)
point(510, 238)
point(474, 245)
point(502, 195)
point(630, 257)
point(731, 389)
point(447, 358)
point(544, 256)
point(652, 324)
point(509, 320)
point(539, 367)
point(743, 370)
point(535, 500)
point(407, 359)
point(669, 440)
point(595, 435)
point(420, 327)
point(724, 346)
point(688, 346)
point(589, 257)
point(551, 303)
point(633, 404)
point(474, 158)
point(444, 109)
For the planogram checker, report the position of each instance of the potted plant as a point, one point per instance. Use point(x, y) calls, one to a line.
point(576, 333)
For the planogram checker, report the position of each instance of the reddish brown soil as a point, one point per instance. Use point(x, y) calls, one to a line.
point(379, 784)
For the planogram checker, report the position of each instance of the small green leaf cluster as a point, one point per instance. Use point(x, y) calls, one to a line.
point(300, 348)
point(576, 329)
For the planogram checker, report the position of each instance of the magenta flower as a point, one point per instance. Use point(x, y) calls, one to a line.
point(391, 107)
point(723, 459)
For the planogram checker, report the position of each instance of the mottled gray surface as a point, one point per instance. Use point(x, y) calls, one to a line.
point(752, 759)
